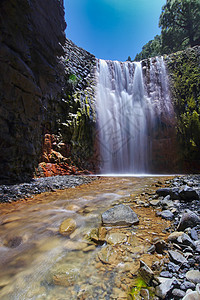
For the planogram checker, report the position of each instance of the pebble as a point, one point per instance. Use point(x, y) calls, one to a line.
point(183, 240)
point(167, 214)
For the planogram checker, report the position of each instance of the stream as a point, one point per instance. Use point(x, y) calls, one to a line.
point(37, 262)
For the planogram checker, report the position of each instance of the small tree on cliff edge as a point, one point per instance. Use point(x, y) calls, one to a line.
point(180, 24)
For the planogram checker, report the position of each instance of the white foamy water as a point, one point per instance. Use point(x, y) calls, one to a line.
point(127, 111)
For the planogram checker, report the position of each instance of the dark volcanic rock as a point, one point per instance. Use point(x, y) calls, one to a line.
point(31, 44)
point(172, 192)
point(163, 192)
point(188, 193)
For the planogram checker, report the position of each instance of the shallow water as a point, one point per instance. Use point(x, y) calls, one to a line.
point(34, 256)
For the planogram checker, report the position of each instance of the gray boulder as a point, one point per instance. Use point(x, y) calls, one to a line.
point(184, 239)
point(176, 257)
point(121, 215)
point(177, 293)
point(193, 276)
point(188, 219)
point(165, 287)
point(167, 214)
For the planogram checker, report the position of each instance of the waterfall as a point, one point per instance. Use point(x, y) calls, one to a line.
point(127, 111)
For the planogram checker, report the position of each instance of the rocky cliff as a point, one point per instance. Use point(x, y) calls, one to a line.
point(68, 143)
point(31, 44)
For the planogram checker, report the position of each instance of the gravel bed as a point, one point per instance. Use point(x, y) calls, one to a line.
point(179, 202)
point(9, 193)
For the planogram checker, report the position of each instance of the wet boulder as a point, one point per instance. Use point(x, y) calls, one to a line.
point(119, 215)
point(114, 238)
point(64, 275)
point(67, 227)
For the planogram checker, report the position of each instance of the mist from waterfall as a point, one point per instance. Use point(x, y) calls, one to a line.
point(128, 108)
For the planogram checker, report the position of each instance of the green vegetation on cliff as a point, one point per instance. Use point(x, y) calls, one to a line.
point(180, 28)
point(184, 69)
point(151, 49)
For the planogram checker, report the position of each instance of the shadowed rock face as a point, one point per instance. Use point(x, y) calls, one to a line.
point(31, 43)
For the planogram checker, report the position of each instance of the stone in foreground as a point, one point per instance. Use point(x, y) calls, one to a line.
point(188, 219)
point(67, 227)
point(176, 257)
point(119, 215)
point(193, 295)
point(165, 287)
point(193, 276)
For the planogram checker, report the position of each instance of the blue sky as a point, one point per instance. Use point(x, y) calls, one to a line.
point(112, 29)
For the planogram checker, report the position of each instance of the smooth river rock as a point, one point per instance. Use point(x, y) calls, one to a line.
point(174, 236)
point(193, 276)
point(121, 215)
point(67, 227)
point(167, 214)
point(193, 295)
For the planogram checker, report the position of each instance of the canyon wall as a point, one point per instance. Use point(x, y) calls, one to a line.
point(46, 94)
point(31, 45)
point(68, 145)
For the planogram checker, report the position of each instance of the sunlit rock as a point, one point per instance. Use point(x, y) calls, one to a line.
point(120, 215)
point(67, 227)
point(114, 238)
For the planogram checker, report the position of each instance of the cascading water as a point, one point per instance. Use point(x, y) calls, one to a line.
point(127, 111)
